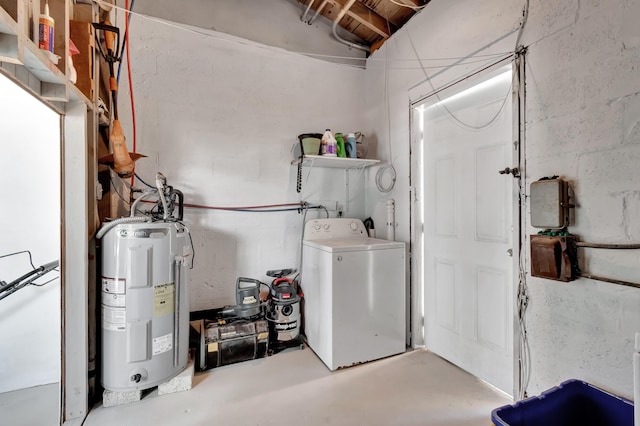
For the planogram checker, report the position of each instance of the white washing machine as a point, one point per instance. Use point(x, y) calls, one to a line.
point(354, 293)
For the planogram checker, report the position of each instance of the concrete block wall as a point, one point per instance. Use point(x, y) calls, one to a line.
point(582, 109)
point(218, 115)
point(582, 117)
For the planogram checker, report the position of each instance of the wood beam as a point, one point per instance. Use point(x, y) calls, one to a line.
point(365, 16)
point(412, 3)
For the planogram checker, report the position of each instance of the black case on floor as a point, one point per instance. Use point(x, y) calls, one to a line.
point(217, 344)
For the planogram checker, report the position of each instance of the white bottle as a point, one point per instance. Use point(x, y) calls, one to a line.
point(329, 144)
point(45, 26)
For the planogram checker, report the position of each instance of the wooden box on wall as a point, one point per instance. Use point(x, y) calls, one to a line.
point(83, 36)
point(554, 257)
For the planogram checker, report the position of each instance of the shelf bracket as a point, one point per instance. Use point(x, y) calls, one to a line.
point(9, 48)
point(54, 91)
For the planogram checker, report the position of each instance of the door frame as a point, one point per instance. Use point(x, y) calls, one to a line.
point(416, 213)
point(76, 189)
point(74, 385)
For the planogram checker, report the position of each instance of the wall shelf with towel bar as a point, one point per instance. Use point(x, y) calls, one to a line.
point(324, 161)
point(334, 162)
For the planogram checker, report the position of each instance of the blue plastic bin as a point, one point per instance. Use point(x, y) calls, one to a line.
point(572, 403)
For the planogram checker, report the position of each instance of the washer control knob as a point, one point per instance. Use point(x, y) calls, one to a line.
point(354, 226)
point(317, 227)
point(327, 226)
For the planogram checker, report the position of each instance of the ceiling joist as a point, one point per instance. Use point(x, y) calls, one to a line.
point(411, 3)
point(365, 16)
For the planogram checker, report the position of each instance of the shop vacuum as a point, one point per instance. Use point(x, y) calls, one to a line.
point(283, 311)
point(281, 308)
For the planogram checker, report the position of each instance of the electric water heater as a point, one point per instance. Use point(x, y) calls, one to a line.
point(145, 306)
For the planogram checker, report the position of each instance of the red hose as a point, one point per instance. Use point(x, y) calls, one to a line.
point(133, 110)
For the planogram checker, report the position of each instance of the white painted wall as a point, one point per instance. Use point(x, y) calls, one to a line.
point(218, 115)
point(29, 220)
point(582, 123)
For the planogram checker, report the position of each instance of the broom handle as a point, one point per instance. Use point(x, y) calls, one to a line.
point(110, 41)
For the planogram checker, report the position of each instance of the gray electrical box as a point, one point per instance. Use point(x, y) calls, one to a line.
point(549, 203)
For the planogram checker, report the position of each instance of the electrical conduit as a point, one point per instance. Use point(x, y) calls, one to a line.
point(144, 195)
point(161, 181)
point(318, 10)
point(344, 10)
point(107, 226)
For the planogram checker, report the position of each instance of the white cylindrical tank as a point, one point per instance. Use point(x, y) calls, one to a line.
point(145, 304)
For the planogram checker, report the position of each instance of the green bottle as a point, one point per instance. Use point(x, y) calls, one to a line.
point(340, 142)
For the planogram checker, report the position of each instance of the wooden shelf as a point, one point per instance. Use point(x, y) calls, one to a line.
point(8, 37)
point(8, 25)
point(335, 162)
point(29, 66)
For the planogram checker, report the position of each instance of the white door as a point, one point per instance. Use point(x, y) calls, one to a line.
point(467, 251)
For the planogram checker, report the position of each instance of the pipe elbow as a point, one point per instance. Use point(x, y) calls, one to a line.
point(347, 42)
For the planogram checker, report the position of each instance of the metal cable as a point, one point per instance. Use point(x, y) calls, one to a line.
point(448, 112)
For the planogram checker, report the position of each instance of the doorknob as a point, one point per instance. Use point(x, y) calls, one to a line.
point(515, 171)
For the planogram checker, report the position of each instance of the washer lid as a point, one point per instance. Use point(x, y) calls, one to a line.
point(340, 245)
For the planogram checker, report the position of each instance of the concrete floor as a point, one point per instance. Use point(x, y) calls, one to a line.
point(295, 388)
point(38, 405)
